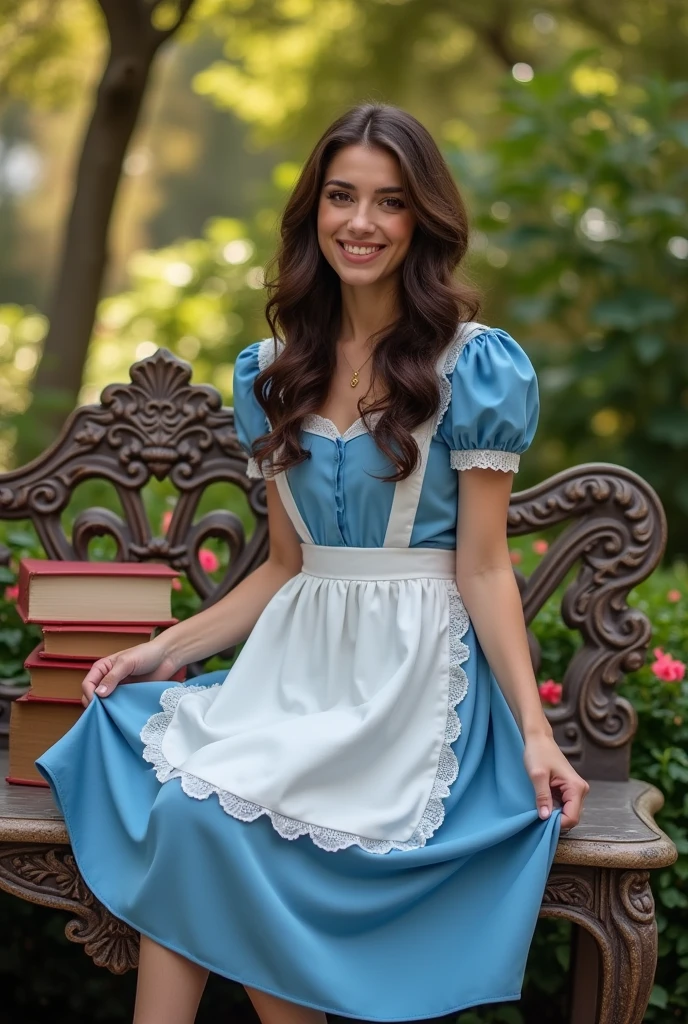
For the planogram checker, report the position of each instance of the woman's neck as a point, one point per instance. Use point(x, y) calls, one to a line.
point(367, 310)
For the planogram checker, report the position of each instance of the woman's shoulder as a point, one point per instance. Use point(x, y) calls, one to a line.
point(256, 357)
point(476, 345)
point(492, 395)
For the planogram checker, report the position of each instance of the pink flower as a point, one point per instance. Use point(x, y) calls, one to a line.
point(515, 556)
point(540, 547)
point(674, 595)
point(11, 593)
point(166, 520)
point(550, 691)
point(208, 559)
point(176, 584)
point(666, 668)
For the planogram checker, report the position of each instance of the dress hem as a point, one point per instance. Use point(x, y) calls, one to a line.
point(338, 1011)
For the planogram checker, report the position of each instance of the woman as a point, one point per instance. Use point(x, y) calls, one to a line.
point(383, 714)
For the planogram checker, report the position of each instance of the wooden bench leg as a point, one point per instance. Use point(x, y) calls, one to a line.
point(49, 876)
point(617, 910)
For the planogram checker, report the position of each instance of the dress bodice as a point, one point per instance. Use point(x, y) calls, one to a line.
point(487, 417)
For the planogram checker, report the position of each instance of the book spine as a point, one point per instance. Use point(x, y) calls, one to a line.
point(22, 603)
point(30, 698)
point(14, 781)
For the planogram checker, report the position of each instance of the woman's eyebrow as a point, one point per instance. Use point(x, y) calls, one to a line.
point(352, 188)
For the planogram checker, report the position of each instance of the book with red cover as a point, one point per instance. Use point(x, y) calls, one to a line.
point(61, 678)
point(35, 724)
point(94, 592)
point(77, 641)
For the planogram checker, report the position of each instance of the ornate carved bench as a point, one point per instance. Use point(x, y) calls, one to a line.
point(162, 426)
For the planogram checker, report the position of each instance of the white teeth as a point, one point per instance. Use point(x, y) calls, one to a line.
point(361, 250)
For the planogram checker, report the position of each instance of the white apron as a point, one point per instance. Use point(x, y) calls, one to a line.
point(337, 718)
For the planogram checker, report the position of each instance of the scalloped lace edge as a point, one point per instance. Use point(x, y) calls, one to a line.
point(268, 350)
point(328, 839)
point(484, 458)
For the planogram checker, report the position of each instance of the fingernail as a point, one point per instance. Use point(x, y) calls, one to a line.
point(102, 689)
point(544, 812)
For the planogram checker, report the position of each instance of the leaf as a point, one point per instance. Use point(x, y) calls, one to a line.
point(649, 347)
point(633, 309)
point(509, 1015)
point(21, 538)
point(659, 997)
point(669, 425)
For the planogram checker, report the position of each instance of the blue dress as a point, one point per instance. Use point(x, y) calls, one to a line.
point(421, 906)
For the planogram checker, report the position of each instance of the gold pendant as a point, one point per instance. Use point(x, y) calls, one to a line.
point(354, 379)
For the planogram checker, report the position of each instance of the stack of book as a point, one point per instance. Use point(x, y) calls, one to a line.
point(86, 611)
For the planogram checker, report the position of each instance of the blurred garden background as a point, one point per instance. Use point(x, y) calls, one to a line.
point(146, 150)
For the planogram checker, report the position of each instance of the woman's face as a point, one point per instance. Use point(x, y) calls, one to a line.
point(364, 223)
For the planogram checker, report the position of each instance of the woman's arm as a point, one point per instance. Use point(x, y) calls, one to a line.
point(224, 624)
point(488, 587)
point(231, 619)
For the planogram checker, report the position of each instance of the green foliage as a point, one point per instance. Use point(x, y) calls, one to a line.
point(658, 754)
point(46, 49)
point(580, 209)
point(202, 298)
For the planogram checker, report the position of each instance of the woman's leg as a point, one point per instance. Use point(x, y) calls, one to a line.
point(272, 1010)
point(168, 988)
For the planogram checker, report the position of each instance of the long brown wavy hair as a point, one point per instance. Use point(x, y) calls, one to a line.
point(304, 296)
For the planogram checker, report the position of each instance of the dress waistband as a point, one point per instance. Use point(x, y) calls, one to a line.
point(343, 563)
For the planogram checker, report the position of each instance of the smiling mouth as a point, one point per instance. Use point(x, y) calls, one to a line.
point(359, 250)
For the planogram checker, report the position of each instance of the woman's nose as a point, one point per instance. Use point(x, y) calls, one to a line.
point(360, 219)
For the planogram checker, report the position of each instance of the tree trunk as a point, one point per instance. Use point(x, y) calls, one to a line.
point(134, 44)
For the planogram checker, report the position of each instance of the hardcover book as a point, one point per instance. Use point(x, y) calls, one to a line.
point(35, 724)
point(90, 642)
point(59, 678)
point(94, 592)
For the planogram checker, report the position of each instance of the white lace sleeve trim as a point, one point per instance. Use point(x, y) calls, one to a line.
point(465, 333)
point(331, 840)
point(482, 458)
point(268, 350)
point(253, 469)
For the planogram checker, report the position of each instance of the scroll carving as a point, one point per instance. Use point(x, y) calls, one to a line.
point(162, 426)
point(49, 876)
point(617, 533)
point(618, 911)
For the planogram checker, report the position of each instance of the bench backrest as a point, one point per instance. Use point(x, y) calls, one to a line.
point(162, 426)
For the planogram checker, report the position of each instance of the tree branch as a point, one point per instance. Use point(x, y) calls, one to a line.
point(184, 9)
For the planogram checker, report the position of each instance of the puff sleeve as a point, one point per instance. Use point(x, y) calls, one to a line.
point(494, 406)
point(249, 419)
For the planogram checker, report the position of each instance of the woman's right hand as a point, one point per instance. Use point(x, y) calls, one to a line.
point(143, 663)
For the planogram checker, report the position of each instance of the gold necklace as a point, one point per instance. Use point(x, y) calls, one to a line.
point(354, 380)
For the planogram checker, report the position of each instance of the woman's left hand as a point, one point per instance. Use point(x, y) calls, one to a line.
point(550, 774)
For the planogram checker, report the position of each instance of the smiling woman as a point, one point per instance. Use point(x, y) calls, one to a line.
point(360, 817)
point(379, 275)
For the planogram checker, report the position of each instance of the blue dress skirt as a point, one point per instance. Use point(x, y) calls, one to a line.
point(344, 819)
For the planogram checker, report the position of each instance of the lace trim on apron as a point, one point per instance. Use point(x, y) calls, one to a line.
point(329, 839)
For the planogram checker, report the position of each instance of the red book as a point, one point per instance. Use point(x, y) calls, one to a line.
point(75, 641)
point(35, 724)
point(94, 592)
point(58, 678)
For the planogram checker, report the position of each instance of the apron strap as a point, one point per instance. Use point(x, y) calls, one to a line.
point(407, 492)
point(290, 507)
point(267, 352)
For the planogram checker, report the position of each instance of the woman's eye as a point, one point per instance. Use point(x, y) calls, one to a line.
point(338, 195)
point(398, 205)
